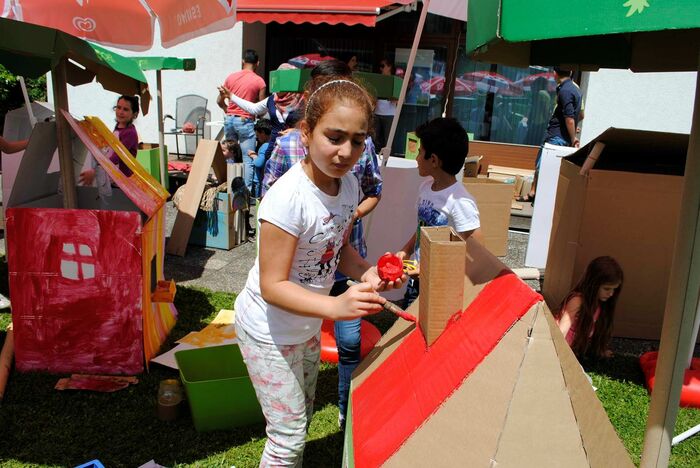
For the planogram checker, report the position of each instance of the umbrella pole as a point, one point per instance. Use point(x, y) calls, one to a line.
point(386, 151)
point(161, 129)
point(65, 157)
point(678, 332)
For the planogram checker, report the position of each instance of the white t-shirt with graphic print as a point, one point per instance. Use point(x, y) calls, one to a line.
point(320, 222)
point(453, 206)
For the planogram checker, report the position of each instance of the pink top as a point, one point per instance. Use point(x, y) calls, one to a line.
point(245, 84)
point(571, 335)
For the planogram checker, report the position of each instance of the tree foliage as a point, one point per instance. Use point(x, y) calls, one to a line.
point(11, 92)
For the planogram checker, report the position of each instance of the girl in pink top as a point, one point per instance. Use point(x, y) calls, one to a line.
point(586, 314)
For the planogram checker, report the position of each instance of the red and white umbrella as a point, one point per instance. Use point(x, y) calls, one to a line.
point(436, 85)
point(490, 82)
point(127, 24)
point(526, 82)
point(308, 60)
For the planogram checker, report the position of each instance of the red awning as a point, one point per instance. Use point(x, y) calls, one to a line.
point(348, 12)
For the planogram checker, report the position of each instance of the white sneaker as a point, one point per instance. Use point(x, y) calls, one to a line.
point(4, 302)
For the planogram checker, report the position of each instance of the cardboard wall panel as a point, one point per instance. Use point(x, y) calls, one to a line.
point(493, 199)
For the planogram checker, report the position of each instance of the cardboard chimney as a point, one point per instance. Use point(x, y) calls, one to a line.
point(441, 250)
point(499, 387)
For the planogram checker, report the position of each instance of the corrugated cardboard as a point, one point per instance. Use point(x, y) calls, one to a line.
point(208, 156)
point(627, 206)
point(493, 199)
point(441, 249)
point(527, 404)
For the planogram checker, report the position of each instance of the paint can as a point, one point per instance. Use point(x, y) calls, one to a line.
point(169, 399)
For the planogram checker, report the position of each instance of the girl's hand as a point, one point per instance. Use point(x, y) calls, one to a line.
point(359, 300)
point(252, 154)
point(87, 176)
point(371, 276)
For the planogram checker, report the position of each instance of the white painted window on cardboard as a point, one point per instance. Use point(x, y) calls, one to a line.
point(77, 262)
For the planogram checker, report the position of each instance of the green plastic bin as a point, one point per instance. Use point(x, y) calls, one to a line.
point(218, 388)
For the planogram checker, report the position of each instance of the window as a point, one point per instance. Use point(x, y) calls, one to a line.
point(503, 104)
point(77, 264)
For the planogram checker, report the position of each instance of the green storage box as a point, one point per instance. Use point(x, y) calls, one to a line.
point(218, 388)
point(382, 86)
point(289, 80)
point(412, 145)
point(148, 155)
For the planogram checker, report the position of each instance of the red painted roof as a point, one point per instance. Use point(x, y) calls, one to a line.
point(412, 383)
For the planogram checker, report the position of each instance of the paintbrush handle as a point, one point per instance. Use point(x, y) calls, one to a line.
point(391, 307)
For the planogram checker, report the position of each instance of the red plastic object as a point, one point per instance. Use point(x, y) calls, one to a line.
point(369, 335)
point(690, 392)
point(390, 267)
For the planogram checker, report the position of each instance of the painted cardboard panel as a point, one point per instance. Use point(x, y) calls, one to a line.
point(493, 199)
point(141, 188)
point(75, 277)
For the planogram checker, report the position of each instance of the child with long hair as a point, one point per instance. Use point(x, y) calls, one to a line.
point(586, 314)
point(303, 224)
point(125, 112)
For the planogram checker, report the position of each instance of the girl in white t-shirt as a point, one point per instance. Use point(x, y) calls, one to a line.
point(304, 221)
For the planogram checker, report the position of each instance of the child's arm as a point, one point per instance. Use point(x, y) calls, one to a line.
point(568, 314)
point(277, 248)
point(9, 147)
point(475, 234)
point(257, 109)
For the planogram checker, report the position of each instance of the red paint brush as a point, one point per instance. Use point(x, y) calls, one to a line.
point(391, 307)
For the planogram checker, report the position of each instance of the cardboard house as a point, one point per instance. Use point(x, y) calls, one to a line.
point(620, 195)
point(81, 280)
point(498, 387)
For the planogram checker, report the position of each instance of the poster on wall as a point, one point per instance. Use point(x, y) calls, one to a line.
point(417, 94)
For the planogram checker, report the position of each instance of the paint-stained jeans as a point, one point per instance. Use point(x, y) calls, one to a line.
point(284, 377)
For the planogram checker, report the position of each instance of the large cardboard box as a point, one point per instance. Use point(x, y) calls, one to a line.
point(289, 80)
point(294, 81)
point(494, 200)
point(627, 206)
point(215, 228)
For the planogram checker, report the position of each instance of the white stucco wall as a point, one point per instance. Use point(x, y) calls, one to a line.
point(217, 55)
point(645, 101)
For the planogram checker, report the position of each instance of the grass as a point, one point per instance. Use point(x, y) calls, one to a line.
point(40, 426)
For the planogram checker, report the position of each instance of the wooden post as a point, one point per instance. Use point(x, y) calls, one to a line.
point(678, 331)
point(161, 136)
point(65, 153)
point(442, 254)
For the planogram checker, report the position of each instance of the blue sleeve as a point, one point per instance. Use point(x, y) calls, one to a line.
point(567, 102)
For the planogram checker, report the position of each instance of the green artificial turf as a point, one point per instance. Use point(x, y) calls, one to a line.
point(40, 426)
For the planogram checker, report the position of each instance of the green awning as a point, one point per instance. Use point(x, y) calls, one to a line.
point(30, 50)
point(586, 34)
point(166, 63)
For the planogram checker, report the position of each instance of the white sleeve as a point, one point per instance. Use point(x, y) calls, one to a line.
point(284, 211)
point(257, 109)
point(465, 214)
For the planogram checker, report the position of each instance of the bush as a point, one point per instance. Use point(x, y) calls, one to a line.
point(11, 92)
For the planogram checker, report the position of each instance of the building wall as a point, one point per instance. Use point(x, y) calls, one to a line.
point(645, 101)
point(217, 55)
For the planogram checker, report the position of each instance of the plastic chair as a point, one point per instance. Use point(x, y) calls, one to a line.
point(189, 108)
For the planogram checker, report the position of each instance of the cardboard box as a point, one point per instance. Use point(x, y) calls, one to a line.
point(493, 199)
point(148, 155)
point(215, 228)
point(499, 387)
point(472, 166)
point(626, 206)
point(292, 81)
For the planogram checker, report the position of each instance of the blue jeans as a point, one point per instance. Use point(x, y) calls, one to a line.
point(411, 293)
point(347, 338)
point(557, 141)
point(242, 130)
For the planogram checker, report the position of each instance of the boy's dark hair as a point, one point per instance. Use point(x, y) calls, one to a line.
point(562, 71)
point(250, 56)
point(446, 139)
point(263, 125)
point(332, 67)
